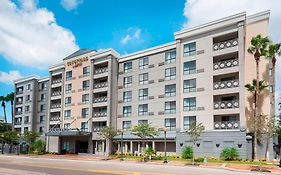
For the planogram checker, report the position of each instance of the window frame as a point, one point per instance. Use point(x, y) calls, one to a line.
point(170, 73)
point(189, 87)
point(191, 104)
point(191, 50)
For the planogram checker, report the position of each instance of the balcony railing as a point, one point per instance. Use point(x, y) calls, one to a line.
point(56, 81)
point(100, 85)
point(56, 93)
point(18, 123)
point(100, 99)
point(18, 112)
point(99, 114)
point(56, 106)
point(226, 64)
point(19, 92)
point(101, 70)
point(226, 125)
point(226, 104)
point(18, 102)
point(225, 44)
point(226, 84)
point(98, 129)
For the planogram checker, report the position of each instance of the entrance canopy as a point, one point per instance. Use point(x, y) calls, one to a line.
point(67, 132)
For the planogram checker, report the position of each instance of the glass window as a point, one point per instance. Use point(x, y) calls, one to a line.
point(143, 78)
point(170, 57)
point(189, 104)
point(67, 114)
point(142, 122)
point(43, 97)
point(42, 118)
point(128, 81)
point(27, 108)
point(188, 120)
point(86, 85)
point(67, 101)
point(170, 90)
point(68, 75)
point(28, 87)
point(42, 108)
point(85, 112)
point(189, 85)
point(271, 89)
point(84, 126)
point(43, 86)
point(170, 73)
point(143, 63)
point(68, 88)
point(128, 66)
point(41, 129)
point(127, 111)
point(27, 98)
point(189, 67)
point(86, 70)
point(170, 107)
point(270, 71)
point(85, 98)
point(127, 96)
point(26, 119)
point(143, 94)
point(126, 125)
point(170, 124)
point(143, 109)
point(67, 126)
point(189, 49)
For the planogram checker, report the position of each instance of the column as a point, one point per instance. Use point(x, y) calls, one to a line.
point(126, 147)
point(131, 147)
point(118, 149)
point(138, 147)
point(103, 146)
point(90, 146)
point(153, 145)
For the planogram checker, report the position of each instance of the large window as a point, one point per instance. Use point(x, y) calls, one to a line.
point(170, 107)
point(143, 78)
point(189, 67)
point(127, 96)
point(86, 85)
point(143, 63)
point(86, 70)
point(127, 111)
point(170, 73)
point(143, 94)
point(68, 88)
point(126, 125)
point(189, 104)
point(128, 67)
point(142, 122)
point(85, 112)
point(68, 75)
point(170, 57)
point(143, 109)
point(67, 114)
point(128, 81)
point(170, 124)
point(27, 109)
point(84, 126)
point(187, 121)
point(189, 49)
point(170, 90)
point(67, 101)
point(189, 85)
point(85, 98)
point(66, 126)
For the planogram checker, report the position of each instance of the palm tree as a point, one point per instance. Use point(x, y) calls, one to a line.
point(255, 88)
point(108, 133)
point(10, 98)
point(3, 104)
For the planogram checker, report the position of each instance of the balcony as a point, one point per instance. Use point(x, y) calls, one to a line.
point(223, 125)
point(58, 93)
point(225, 64)
point(18, 102)
point(19, 92)
point(98, 129)
point(57, 81)
point(56, 106)
point(225, 44)
point(100, 85)
point(18, 122)
point(101, 70)
point(18, 112)
point(100, 99)
point(226, 84)
point(226, 104)
point(99, 114)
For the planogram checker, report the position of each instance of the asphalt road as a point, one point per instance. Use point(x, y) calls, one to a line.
point(14, 165)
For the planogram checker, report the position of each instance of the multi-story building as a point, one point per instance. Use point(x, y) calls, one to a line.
point(198, 77)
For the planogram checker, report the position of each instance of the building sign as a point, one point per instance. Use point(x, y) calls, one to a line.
point(78, 62)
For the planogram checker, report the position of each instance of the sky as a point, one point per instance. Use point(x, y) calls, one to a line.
point(35, 34)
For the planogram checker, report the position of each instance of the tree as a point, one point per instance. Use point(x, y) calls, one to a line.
point(5, 127)
point(270, 130)
point(10, 98)
point(194, 131)
point(144, 131)
point(150, 152)
point(29, 137)
point(3, 104)
point(11, 138)
point(256, 88)
point(108, 133)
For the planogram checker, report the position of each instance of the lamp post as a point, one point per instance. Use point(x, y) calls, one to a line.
point(165, 145)
point(2, 146)
point(18, 146)
point(122, 133)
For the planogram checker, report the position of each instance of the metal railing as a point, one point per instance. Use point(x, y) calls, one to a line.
point(226, 104)
point(99, 114)
point(100, 99)
point(101, 70)
point(55, 118)
point(225, 64)
point(57, 81)
point(100, 85)
point(56, 106)
point(226, 84)
point(220, 125)
point(225, 44)
point(58, 93)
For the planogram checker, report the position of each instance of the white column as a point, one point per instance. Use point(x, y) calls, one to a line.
point(126, 147)
point(118, 149)
point(103, 146)
point(153, 145)
point(131, 147)
point(139, 147)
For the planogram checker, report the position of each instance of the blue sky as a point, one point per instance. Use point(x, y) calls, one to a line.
point(35, 34)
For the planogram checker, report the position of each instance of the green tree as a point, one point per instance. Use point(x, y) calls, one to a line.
point(38, 147)
point(150, 152)
point(194, 131)
point(3, 104)
point(30, 137)
point(108, 133)
point(11, 138)
point(10, 98)
point(5, 127)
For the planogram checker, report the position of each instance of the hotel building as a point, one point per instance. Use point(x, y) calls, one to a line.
point(198, 77)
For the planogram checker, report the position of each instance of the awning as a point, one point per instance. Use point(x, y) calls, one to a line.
point(67, 132)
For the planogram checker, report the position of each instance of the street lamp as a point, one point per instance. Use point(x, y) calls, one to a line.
point(2, 146)
point(165, 145)
point(18, 146)
point(122, 133)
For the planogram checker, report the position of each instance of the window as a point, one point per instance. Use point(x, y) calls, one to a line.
point(86, 85)
point(189, 49)
point(25, 129)
point(28, 87)
point(67, 101)
point(68, 75)
point(127, 96)
point(42, 119)
point(189, 67)
point(85, 98)
point(187, 121)
point(126, 125)
point(271, 89)
point(170, 90)
point(43, 86)
point(67, 114)
point(27, 98)
point(270, 71)
point(170, 124)
point(127, 111)
point(143, 63)
point(84, 126)
point(86, 70)
point(67, 126)
point(42, 108)
point(143, 109)
point(41, 129)
point(68, 88)
point(143, 94)
point(189, 104)
point(128, 67)
point(128, 81)
point(26, 119)
point(170, 57)
point(143, 78)
point(170, 73)
point(170, 107)
point(43, 97)
point(142, 122)
point(27, 108)
point(85, 112)
point(189, 85)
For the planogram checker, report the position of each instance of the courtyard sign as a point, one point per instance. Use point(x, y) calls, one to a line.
point(78, 62)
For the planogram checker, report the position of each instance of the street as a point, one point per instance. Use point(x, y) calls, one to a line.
point(14, 165)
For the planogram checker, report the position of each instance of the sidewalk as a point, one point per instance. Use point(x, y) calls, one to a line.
point(229, 166)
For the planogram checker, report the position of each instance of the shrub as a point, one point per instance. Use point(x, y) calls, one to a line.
point(38, 147)
point(229, 154)
point(187, 152)
point(199, 159)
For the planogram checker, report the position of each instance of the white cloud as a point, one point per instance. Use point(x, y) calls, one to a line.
point(70, 4)
point(133, 34)
point(8, 78)
point(30, 36)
